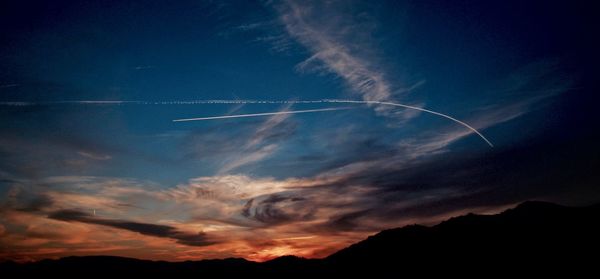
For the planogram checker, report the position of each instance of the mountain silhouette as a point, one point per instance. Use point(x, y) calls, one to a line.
point(532, 238)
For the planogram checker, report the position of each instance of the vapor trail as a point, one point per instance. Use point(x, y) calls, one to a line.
point(415, 108)
point(199, 102)
point(258, 114)
point(318, 101)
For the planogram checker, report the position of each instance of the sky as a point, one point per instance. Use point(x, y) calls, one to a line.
point(350, 117)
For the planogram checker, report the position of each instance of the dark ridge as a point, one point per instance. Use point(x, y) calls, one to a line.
point(534, 237)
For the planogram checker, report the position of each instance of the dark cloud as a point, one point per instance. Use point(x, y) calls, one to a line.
point(347, 222)
point(555, 170)
point(198, 239)
point(278, 209)
point(27, 153)
point(208, 143)
point(8, 181)
point(36, 204)
point(247, 207)
point(31, 154)
point(330, 149)
point(357, 149)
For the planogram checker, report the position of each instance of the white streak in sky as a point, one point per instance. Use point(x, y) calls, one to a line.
point(258, 114)
point(419, 109)
point(328, 109)
point(200, 102)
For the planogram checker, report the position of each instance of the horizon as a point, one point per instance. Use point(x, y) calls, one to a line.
point(257, 129)
point(537, 204)
point(452, 218)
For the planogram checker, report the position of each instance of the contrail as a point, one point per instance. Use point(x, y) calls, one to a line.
point(199, 102)
point(315, 110)
point(415, 108)
point(258, 114)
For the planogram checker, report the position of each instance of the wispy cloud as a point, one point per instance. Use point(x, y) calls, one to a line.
point(341, 45)
point(9, 85)
point(257, 114)
point(256, 148)
point(192, 239)
point(370, 182)
point(262, 217)
point(94, 156)
point(248, 157)
point(393, 184)
point(207, 210)
point(143, 67)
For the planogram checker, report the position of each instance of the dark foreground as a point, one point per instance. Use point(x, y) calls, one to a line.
point(534, 238)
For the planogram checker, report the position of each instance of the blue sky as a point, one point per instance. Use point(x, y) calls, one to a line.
point(520, 73)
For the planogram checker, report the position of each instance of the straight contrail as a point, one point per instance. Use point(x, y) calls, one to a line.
point(258, 114)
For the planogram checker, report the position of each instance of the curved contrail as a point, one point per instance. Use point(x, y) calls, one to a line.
point(415, 108)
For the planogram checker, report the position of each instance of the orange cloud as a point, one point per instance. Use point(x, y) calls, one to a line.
point(207, 217)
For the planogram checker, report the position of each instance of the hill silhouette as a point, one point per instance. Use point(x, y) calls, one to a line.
point(534, 237)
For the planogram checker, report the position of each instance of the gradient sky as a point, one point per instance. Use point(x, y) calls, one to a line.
point(121, 178)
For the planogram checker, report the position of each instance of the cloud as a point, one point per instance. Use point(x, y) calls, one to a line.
point(542, 77)
point(277, 209)
point(257, 114)
point(198, 239)
point(262, 143)
point(37, 203)
point(249, 142)
point(30, 154)
point(9, 85)
point(94, 156)
point(361, 177)
point(364, 182)
point(339, 40)
point(262, 217)
point(341, 44)
point(143, 67)
point(213, 206)
point(253, 156)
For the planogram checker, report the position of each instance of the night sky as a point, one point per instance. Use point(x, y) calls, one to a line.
point(91, 161)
